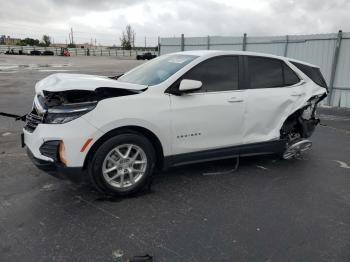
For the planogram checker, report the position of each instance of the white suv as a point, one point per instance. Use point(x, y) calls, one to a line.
point(176, 109)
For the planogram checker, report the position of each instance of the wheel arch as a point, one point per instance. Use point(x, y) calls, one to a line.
point(158, 147)
point(299, 110)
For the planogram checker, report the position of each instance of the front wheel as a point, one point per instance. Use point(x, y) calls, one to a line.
point(123, 164)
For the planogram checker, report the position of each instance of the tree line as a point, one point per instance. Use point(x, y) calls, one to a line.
point(127, 40)
point(45, 41)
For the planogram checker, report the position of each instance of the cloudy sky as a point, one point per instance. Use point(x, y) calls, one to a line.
point(105, 19)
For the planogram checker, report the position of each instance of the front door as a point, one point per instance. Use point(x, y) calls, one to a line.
point(211, 117)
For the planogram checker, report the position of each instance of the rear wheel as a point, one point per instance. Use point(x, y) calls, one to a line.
point(296, 148)
point(296, 142)
point(123, 164)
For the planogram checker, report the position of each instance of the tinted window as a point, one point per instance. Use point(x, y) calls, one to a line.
point(313, 73)
point(216, 74)
point(290, 78)
point(157, 70)
point(265, 72)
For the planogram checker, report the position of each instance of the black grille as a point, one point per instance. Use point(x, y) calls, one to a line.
point(50, 149)
point(32, 121)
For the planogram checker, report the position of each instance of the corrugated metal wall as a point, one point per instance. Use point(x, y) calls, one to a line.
point(315, 49)
point(341, 95)
point(271, 45)
point(170, 45)
point(318, 49)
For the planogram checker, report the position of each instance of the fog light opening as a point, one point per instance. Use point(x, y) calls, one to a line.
point(61, 153)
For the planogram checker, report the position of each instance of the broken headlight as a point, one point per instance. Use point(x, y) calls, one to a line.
point(68, 112)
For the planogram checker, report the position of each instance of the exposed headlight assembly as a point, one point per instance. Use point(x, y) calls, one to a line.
point(63, 106)
point(68, 112)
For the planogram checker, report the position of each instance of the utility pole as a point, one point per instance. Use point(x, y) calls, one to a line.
point(244, 44)
point(95, 42)
point(71, 30)
point(334, 65)
point(145, 43)
point(158, 46)
point(182, 42)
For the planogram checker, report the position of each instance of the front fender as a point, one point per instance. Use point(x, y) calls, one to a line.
point(146, 110)
point(127, 122)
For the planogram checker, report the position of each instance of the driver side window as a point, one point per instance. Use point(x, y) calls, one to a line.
point(216, 74)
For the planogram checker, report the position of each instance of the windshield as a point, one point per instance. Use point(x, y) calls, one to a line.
point(157, 70)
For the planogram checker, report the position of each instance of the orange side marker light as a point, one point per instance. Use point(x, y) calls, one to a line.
point(88, 141)
point(61, 153)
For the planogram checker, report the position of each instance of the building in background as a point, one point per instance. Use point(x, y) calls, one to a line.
point(58, 45)
point(2, 39)
point(84, 45)
point(9, 40)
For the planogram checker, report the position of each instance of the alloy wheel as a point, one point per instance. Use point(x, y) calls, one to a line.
point(124, 166)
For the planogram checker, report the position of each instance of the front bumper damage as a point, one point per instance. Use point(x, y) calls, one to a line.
point(74, 174)
point(43, 142)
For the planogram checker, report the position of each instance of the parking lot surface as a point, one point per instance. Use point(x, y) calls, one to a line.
point(267, 210)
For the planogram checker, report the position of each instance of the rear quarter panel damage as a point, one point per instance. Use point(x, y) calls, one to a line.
point(265, 113)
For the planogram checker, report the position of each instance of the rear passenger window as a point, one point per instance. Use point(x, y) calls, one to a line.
point(313, 73)
point(290, 78)
point(268, 73)
point(265, 72)
point(216, 74)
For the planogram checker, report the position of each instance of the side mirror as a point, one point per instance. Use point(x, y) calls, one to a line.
point(189, 85)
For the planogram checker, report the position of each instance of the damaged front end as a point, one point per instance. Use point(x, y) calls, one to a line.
point(59, 107)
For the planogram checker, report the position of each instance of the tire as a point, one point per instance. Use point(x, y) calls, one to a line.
point(109, 156)
point(295, 149)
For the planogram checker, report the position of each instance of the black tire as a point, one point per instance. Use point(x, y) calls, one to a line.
point(96, 162)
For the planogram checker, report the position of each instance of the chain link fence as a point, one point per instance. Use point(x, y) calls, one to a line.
point(95, 51)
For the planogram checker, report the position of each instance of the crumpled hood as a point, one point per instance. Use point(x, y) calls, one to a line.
point(64, 82)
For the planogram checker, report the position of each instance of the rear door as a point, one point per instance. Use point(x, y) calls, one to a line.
point(212, 116)
point(272, 89)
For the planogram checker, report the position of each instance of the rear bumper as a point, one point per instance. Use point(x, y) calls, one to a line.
point(75, 174)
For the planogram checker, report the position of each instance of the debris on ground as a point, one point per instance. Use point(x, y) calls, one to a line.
point(145, 258)
point(47, 187)
point(117, 255)
point(262, 167)
point(342, 164)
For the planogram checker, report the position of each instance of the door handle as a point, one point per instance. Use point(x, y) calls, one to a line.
point(235, 100)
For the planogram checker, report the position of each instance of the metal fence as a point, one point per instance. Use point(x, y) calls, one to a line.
point(95, 51)
point(329, 51)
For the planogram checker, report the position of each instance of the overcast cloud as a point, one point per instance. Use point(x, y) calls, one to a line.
point(105, 19)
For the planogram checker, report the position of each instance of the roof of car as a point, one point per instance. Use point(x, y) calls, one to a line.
point(219, 52)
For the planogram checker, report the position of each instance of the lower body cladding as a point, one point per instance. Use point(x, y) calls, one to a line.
point(56, 169)
point(60, 150)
